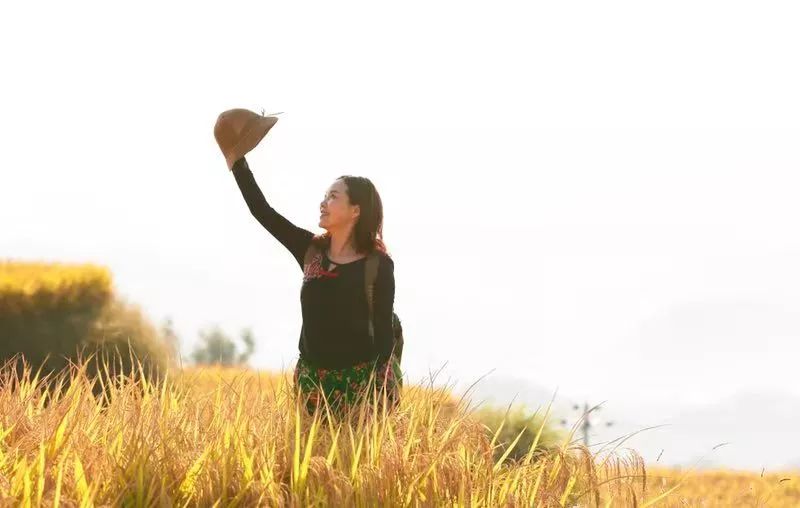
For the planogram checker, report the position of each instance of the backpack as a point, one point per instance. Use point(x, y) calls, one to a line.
point(371, 273)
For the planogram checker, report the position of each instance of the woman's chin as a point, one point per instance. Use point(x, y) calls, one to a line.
point(325, 222)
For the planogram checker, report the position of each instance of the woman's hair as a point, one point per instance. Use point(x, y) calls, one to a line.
point(368, 231)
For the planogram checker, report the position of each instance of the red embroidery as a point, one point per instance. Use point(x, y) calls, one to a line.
point(314, 269)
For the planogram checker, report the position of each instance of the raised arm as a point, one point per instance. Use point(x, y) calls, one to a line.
point(384, 306)
point(294, 238)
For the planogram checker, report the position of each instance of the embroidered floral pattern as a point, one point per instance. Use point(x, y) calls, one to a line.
point(347, 387)
point(314, 269)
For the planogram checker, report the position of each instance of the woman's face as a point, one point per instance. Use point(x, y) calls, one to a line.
point(335, 209)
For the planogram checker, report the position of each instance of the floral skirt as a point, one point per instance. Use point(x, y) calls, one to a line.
point(344, 388)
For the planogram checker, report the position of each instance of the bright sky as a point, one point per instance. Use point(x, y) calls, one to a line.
point(600, 197)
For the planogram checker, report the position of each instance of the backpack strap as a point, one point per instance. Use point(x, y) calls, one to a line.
point(371, 273)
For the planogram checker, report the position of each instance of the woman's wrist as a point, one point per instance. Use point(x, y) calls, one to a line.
point(240, 163)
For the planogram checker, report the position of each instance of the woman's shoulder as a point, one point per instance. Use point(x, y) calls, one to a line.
point(383, 254)
point(385, 260)
point(385, 263)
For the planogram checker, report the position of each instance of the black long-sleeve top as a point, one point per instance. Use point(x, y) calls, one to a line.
point(335, 332)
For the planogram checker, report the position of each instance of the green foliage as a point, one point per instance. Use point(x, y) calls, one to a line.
point(52, 314)
point(517, 418)
point(216, 347)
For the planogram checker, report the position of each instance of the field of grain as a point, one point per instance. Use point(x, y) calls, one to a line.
point(234, 437)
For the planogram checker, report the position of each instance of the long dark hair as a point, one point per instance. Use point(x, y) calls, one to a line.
point(368, 231)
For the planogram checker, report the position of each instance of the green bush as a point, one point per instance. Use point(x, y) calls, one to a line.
point(518, 419)
point(53, 314)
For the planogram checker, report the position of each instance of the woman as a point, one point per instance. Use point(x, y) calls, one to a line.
point(339, 360)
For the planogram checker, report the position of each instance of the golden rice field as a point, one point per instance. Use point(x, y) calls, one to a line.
point(230, 437)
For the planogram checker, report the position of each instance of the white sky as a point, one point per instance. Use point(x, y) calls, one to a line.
point(596, 196)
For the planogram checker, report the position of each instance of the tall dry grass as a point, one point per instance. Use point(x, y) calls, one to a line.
point(222, 437)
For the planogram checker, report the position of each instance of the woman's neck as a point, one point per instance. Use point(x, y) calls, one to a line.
point(341, 247)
